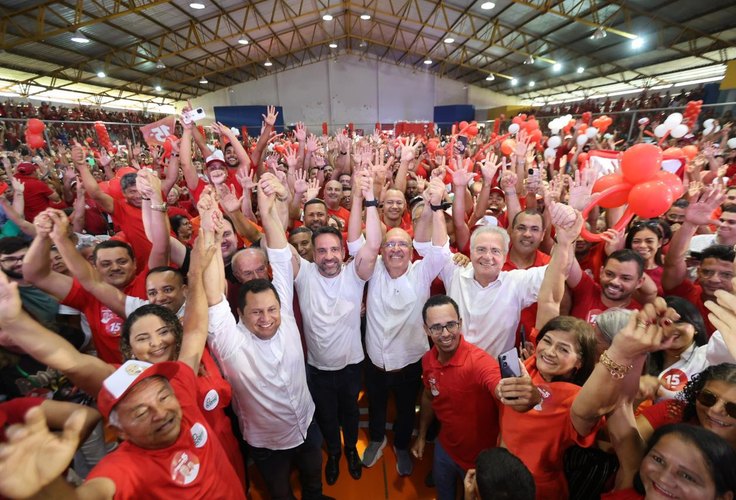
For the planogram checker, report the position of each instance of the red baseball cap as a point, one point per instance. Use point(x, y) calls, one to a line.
point(118, 385)
point(25, 168)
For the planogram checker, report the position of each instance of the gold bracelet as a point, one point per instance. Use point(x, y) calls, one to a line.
point(617, 371)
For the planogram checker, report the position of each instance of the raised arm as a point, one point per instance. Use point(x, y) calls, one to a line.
point(460, 178)
point(488, 168)
point(614, 374)
point(37, 262)
point(18, 329)
point(698, 213)
point(408, 155)
point(365, 260)
point(104, 200)
point(185, 156)
point(269, 120)
point(243, 158)
point(155, 217)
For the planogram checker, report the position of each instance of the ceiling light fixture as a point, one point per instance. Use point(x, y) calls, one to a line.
point(556, 67)
point(268, 63)
point(490, 78)
point(637, 43)
point(101, 74)
point(243, 41)
point(362, 45)
point(449, 40)
point(158, 88)
point(529, 60)
point(487, 5)
point(79, 37)
point(196, 5)
point(514, 81)
point(532, 83)
point(327, 17)
point(160, 64)
point(580, 69)
point(365, 17)
point(428, 61)
point(599, 33)
point(203, 81)
point(333, 45)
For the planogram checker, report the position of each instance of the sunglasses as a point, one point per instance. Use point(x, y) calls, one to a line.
point(708, 399)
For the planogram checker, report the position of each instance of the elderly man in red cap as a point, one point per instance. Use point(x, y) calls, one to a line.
point(168, 451)
point(37, 194)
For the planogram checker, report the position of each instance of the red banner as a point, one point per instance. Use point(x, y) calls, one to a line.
point(156, 133)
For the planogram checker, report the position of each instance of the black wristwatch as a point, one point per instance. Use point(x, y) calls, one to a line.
point(441, 206)
point(371, 203)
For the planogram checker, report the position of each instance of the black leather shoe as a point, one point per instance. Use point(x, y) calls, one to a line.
point(355, 465)
point(332, 469)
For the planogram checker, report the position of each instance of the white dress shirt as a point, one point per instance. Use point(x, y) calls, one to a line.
point(268, 377)
point(490, 314)
point(394, 334)
point(331, 315)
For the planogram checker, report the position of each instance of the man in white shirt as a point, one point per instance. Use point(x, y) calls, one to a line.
point(395, 340)
point(491, 300)
point(724, 235)
point(262, 358)
point(330, 295)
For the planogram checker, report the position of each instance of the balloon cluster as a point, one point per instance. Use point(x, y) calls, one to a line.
point(672, 126)
point(104, 137)
point(710, 126)
point(648, 190)
point(528, 124)
point(692, 110)
point(468, 129)
point(34, 133)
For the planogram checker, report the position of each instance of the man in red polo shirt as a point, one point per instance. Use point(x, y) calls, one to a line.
point(462, 385)
point(38, 195)
point(114, 262)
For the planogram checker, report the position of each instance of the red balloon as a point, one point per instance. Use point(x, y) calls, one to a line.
point(472, 130)
point(523, 116)
point(517, 119)
point(650, 199)
point(35, 126)
point(640, 162)
point(35, 141)
point(673, 183)
point(690, 151)
point(507, 146)
point(671, 153)
point(536, 135)
point(609, 181)
point(583, 160)
point(533, 124)
point(463, 124)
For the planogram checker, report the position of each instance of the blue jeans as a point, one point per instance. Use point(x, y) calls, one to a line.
point(446, 472)
point(335, 395)
point(275, 467)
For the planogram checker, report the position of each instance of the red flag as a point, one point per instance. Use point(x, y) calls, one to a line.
point(156, 133)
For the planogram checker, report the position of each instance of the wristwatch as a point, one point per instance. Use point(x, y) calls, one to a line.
point(163, 207)
point(441, 206)
point(371, 203)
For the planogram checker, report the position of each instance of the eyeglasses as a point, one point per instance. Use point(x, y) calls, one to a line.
point(12, 260)
point(450, 326)
point(394, 244)
point(709, 273)
point(708, 399)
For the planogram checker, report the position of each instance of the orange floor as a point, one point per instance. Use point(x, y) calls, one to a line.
point(381, 481)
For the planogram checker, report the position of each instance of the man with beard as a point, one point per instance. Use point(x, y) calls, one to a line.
point(315, 214)
point(330, 295)
point(621, 275)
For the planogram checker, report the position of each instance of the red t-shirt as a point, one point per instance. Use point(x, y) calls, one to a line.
point(129, 220)
point(195, 466)
point(528, 317)
point(587, 302)
point(213, 395)
point(104, 324)
point(230, 181)
point(541, 436)
point(341, 213)
point(628, 494)
point(665, 412)
point(656, 275)
point(693, 293)
point(463, 400)
point(14, 412)
point(593, 260)
point(36, 196)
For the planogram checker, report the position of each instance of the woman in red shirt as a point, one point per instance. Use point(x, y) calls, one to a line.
point(645, 237)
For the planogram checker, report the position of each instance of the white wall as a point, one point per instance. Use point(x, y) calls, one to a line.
point(350, 90)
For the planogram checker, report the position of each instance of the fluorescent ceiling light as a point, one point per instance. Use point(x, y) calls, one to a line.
point(268, 63)
point(101, 74)
point(529, 60)
point(243, 41)
point(490, 78)
point(365, 17)
point(79, 37)
point(580, 69)
point(158, 88)
point(196, 5)
point(327, 17)
point(556, 67)
point(203, 81)
point(532, 83)
point(637, 43)
point(514, 81)
point(449, 40)
point(428, 61)
point(333, 45)
point(487, 5)
point(160, 64)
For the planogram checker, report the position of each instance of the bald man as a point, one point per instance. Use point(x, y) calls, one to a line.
point(394, 210)
point(333, 199)
point(394, 340)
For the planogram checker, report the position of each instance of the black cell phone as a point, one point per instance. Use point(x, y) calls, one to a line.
point(522, 331)
point(509, 363)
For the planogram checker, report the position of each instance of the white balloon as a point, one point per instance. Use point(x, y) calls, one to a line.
point(732, 143)
point(550, 153)
point(660, 130)
point(591, 132)
point(708, 123)
point(554, 130)
point(582, 139)
point(643, 121)
point(717, 129)
point(554, 124)
point(513, 128)
point(235, 131)
point(679, 131)
point(568, 118)
point(707, 130)
point(554, 142)
point(673, 120)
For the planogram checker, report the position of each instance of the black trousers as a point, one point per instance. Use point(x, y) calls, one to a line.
point(335, 395)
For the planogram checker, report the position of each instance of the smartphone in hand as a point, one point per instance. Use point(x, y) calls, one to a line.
point(509, 363)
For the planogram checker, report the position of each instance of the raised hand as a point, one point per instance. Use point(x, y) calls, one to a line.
point(270, 117)
point(10, 303)
point(313, 189)
point(522, 142)
point(60, 230)
point(43, 225)
point(312, 144)
point(245, 177)
point(463, 173)
point(436, 191)
point(723, 316)
point(290, 158)
point(581, 189)
point(700, 209)
point(489, 166)
point(104, 158)
point(567, 221)
point(33, 456)
point(644, 333)
point(508, 179)
point(228, 199)
point(300, 182)
point(409, 150)
point(300, 132)
point(18, 186)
